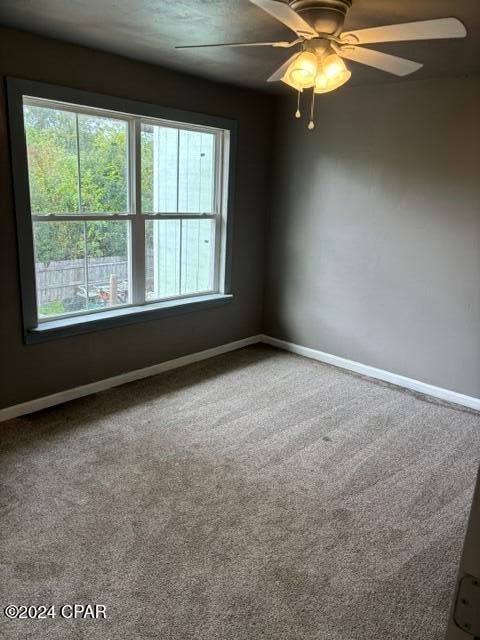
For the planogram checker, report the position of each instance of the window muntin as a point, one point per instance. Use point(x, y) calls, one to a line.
point(131, 208)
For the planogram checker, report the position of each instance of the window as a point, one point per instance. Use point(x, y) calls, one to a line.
point(127, 210)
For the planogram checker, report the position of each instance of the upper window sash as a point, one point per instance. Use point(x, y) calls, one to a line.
point(66, 175)
point(134, 127)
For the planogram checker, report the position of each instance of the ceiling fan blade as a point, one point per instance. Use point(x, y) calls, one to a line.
point(423, 30)
point(283, 45)
point(288, 16)
point(384, 61)
point(280, 72)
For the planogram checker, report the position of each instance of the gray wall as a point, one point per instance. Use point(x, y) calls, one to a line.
point(27, 372)
point(375, 230)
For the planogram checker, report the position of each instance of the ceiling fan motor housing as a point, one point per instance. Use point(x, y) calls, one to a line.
point(325, 16)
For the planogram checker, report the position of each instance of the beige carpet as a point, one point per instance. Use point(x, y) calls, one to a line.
point(257, 495)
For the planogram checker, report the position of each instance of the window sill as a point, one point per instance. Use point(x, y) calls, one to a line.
point(54, 329)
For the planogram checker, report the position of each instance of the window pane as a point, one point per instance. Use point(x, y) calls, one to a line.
point(60, 267)
point(162, 259)
point(52, 160)
point(177, 170)
point(73, 257)
point(108, 264)
point(103, 164)
point(196, 170)
point(179, 257)
point(146, 147)
point(159, 169)
point(197, 255)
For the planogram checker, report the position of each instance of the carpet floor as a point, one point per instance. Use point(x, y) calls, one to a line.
point(256, 495)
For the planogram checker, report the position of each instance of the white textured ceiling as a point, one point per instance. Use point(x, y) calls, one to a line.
point(148, 30)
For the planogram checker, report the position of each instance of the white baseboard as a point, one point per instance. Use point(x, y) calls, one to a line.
point(94, 387)
point(101, 385)
point(373, 372)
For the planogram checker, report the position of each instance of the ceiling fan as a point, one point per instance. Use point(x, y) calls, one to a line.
point(318, 62)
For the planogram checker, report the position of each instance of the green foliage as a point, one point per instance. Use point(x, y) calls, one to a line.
point(147, 171)
point(52, 160)
point(103, 165)
point(106, 238)
point(54, 308)
point(57, 241)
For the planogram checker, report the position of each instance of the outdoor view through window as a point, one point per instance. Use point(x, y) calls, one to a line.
point(105, 220)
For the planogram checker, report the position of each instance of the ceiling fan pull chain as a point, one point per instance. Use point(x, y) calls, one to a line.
point(311, 124)
point(297, 112)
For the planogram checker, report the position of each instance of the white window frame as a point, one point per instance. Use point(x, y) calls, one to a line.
point(134, 113)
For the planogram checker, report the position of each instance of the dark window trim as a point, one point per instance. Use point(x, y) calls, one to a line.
point(76, 325)
point(16, 89)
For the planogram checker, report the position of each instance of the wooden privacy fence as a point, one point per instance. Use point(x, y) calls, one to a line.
point(60, 280)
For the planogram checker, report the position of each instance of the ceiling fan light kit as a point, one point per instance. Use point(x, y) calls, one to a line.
point(324, 72)
point(321, 70)
point(318, 25)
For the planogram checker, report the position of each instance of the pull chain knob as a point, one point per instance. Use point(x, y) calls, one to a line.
point(297, 112)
